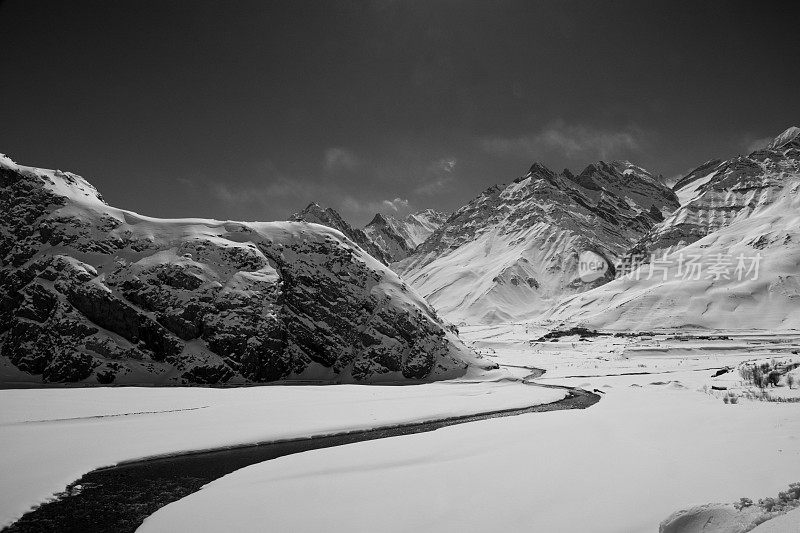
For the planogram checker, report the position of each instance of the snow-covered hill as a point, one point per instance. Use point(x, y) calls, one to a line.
point(513, 251)
point(735, 256)
point(397, 238)
point(96, 294)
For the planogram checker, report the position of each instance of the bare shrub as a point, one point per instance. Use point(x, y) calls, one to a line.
point(743, 502)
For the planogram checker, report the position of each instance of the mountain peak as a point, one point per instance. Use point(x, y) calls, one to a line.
point(314, 212)
point(791, 134)
point(539, 169)
point(397, 238)
point(378, 220)
point(312, 206)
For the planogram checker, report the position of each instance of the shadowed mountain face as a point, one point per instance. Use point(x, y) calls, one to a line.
point(96, 294)
point(513, 251)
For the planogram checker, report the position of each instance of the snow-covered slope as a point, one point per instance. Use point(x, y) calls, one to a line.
point(513, 251)
point(96, 294)
point(417, 227)
point(398, 238)
point(718, 193)
point(743, 223)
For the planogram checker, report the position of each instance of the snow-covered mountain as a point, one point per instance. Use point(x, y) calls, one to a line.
point(330, 217)
point(95, 294)
point(399, 237)
point(513, 251)
point(734, 258)
point(719, 193)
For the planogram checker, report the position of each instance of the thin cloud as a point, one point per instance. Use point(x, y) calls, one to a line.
point(756, 144)
point(272, 186)
point(572, 141)
point(434, 186)
point(437, 177)
point(396, 207)
point(336, 159)
point(254, 194)
point(447, 165)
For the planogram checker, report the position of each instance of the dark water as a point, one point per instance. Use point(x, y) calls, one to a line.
point(119, 498)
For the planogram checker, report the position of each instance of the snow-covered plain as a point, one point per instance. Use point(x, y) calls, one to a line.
point(660, 440)
point(50, 437)
point(657, 442)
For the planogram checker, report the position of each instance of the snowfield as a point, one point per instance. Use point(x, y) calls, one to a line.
point(657, 442)
point(51, 437)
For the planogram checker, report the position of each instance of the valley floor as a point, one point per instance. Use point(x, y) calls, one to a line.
point(50, 437)
point(661, 439)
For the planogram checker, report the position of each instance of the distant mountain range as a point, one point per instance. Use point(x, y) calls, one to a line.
point(386, 238)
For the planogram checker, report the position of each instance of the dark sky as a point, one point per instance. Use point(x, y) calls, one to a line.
point(249, 110)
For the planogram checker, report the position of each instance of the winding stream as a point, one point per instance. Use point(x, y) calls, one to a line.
point(119, 498)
